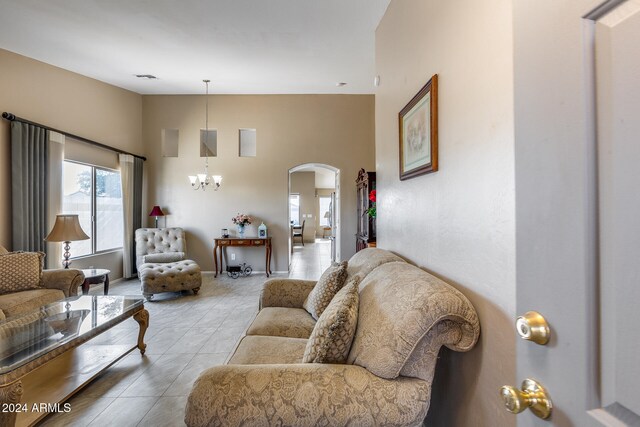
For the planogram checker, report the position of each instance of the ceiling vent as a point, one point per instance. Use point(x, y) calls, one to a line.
point(146, 76)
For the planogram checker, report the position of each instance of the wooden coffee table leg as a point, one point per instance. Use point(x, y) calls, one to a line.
point(142, 317)
point(106, 284)
point(10, 394)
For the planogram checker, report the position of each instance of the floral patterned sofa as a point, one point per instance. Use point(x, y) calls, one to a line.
point(25, 286)
point(404, 316)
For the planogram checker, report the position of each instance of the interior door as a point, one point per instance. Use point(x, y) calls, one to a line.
point(336, 232)
point(618, 101)
point(333, 227)
point(590, 366)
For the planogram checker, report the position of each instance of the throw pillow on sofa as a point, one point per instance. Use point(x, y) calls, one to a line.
point(20, 271)
point(331, 281)
point(333, 334)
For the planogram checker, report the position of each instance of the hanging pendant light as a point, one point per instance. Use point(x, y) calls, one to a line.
point(202, 180)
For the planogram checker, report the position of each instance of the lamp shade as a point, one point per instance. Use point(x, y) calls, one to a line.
point(66, 229)
point(156, 211)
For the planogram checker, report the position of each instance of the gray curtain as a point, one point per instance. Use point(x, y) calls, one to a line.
point(29, 187)
point(138, 164)
point(126, 178)
point(131, 176)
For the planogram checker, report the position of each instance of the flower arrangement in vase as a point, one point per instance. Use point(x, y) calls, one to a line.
point(241, 220)
point(372, 210)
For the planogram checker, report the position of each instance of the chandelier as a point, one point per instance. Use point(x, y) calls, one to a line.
point(202, 180)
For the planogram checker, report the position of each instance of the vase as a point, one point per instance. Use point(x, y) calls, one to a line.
point(240, 230)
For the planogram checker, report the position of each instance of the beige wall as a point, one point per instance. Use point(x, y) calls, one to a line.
point(69, 102)
point(336, 130)
point(304, 183)
point(459, 222)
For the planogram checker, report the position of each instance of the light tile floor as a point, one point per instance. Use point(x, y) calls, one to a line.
point(187, 334)
point(311, 259)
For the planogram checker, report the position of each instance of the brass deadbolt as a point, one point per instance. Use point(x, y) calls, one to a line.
point(533, 327)
point(532, 396)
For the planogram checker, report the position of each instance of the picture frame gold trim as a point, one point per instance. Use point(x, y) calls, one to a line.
point(418, 126)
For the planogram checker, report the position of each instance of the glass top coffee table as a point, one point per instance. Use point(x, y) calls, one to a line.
point(34, 343)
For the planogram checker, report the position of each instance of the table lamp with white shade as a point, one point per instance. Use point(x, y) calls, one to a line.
point(66, 229)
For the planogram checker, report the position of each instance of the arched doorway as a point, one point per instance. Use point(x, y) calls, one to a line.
point(314, 202)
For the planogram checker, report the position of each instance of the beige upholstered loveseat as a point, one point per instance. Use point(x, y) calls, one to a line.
point(48, 285)
point(405, 316)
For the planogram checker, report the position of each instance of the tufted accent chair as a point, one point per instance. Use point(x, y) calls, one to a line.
point(159, 245)
point(162, 264)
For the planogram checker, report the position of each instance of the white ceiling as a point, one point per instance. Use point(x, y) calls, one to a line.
point(242, 46)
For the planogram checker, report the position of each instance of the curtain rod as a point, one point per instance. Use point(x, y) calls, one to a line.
point(12, 117)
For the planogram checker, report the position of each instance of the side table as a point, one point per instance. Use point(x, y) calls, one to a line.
point(94, 276)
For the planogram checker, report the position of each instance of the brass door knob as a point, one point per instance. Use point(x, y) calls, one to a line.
point(532, 326)
point(532, 396)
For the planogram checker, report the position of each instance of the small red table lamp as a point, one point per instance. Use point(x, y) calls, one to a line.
point(156, 211)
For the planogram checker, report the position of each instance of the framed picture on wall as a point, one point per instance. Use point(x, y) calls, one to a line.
point(418, 123)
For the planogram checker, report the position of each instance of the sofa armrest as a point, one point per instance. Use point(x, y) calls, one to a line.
point(67, 280)
point(285, 292)
point(304, 395)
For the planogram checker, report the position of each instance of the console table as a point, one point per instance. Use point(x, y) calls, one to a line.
point(223, 242)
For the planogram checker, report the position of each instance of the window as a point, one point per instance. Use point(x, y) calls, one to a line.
point(95, 195)
point(208, 143)
point(294, 208)
point(325, 211)
point(247, 143)
point(169, 139)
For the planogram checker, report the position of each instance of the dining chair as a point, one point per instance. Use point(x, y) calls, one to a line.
point(298, 232)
